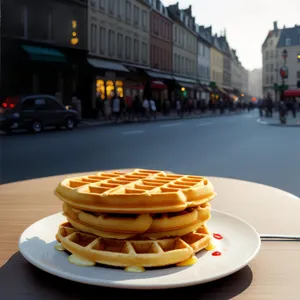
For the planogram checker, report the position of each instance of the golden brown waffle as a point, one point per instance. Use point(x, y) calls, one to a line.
point(142, 253)
point(122, 226)
point(137, 192)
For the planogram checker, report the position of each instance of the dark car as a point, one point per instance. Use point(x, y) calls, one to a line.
point(36, 112)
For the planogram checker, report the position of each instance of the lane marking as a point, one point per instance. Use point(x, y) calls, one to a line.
point(203, 124)
point(169, 125)
point(133, 132)
point(262, 122)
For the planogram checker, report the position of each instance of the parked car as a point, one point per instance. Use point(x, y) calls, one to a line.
point(36, 112)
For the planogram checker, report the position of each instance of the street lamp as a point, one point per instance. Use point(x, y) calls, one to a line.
point(284, 72)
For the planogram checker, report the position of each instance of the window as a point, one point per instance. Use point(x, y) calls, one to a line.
point(49, 25)
point(288, 41)
point(24, 21)
point(119, 8)
point(28, 104)
point(144, 53)
point(182, 65)
point(102, 41)
point(120, 45)
point(128, 47)
point(175, 34)
point(111, 6)
point(187, 66)
point(111, 43)
point(144, 19)
point(136, 50)
point(93, 38)
point(175, 62)
point(298, 74)
point(136, 15)
point(51, 104)
point(156, 25)
point(102, 4)
point(128, 11)
point(93, 3)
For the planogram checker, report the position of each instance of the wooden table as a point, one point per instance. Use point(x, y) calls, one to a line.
point(273, 274)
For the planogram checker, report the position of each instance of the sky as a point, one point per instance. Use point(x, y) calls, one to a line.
point(247, 22)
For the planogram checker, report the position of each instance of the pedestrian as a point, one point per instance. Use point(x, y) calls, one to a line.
point(153, 108)
point(146, 108)
point(178, 108)
point(116, 108)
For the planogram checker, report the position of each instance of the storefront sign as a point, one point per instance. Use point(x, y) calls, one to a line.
point(110, 74)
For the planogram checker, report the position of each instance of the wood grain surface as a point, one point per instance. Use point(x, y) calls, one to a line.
point(275, 272)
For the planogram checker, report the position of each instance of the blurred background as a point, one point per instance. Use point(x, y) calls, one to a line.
point(202, 87)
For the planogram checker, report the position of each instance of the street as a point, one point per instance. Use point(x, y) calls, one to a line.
point(230, 146)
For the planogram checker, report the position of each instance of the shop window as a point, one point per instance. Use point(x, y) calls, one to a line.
point(100, 87)
point(119, 88)
point(110, 88)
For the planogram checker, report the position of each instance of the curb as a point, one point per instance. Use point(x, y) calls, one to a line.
point(259, 121)
point(83, 124)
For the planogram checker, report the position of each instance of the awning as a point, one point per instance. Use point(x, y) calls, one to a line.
point(158, 85)
point(105, 64)
point(158, 75)
point(44, 54)
point(292, 93)
point(185, 80)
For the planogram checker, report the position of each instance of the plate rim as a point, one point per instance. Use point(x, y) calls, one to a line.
point(120, 285)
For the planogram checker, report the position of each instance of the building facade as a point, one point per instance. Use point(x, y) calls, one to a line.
point(216, 62)
point(203, 56)
point(184, 47)
point(119, 45)
point(271, 65)
point(161, 35)
point(226, 62)
point(255, 80)
point(44, 46)
point(290, 41)
point(239, 75)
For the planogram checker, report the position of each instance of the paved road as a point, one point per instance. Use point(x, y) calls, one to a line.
point(229, 146)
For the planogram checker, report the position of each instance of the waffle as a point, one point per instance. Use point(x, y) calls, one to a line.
point(143, 253)
point(122, 226)
point(137, 192)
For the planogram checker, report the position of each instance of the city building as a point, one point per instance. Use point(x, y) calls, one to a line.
point(244, 81)
point(271, 62)
point(161, 36)
point(226, 62)
point(184, 49)
point(119, 44)
point(216, 62)
point(255, 80)
point(203, 59)
point(161, 51)
point(44, 48)
point(289, 40)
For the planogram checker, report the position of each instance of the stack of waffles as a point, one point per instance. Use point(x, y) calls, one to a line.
point(144, 218)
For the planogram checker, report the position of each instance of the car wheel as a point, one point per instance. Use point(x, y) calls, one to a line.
point(70, 124)
point(36, 127)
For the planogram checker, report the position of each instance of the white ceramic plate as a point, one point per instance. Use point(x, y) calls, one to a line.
point(239, 246)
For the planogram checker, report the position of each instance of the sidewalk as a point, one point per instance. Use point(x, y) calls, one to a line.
point(290, 121)
point(173, 116)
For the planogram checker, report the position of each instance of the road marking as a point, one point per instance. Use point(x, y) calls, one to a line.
point(203, 124)
point(261, 122)
point(169, 125)
point(133, 132)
